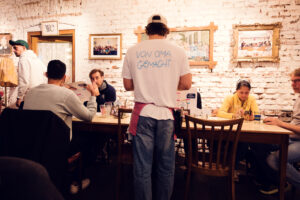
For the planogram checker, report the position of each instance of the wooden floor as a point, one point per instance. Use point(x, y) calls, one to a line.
point(102, 186)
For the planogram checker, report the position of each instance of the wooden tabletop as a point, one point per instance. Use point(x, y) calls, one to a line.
point(259, 127)
point(248, 126)
point(111, 120)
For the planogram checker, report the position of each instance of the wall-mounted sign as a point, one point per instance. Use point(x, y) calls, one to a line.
point(5, 48)
point(49, 28)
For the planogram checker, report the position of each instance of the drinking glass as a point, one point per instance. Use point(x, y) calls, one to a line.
point(103, 110)
point(206, 113)
point(108, 107)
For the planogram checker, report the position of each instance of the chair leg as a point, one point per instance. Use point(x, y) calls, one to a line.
point(231, 187)
point(110, 143)
point(80, 173)
point(118, 178)
point(293, 193)
point(118, 181)
point(187, 184)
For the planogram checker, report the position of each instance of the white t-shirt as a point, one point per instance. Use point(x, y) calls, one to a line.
point(155, 67)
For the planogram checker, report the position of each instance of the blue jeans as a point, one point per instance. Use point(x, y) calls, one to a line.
point(154, 140)
point(292, 175)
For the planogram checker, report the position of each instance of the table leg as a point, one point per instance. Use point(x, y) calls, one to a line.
point(283, 152)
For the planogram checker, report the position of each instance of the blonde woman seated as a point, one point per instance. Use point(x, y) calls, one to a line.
point(240, 104)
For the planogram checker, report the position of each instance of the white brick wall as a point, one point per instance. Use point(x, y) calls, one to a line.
point(269, 80)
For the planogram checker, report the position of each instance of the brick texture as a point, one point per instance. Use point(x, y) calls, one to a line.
point(270, 81)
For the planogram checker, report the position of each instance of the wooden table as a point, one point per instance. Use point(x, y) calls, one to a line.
point(268, 134)
point(105, 125)
point(253, 132)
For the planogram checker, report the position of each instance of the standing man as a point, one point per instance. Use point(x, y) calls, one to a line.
point(154, 69)
point(292, 174)
point(107, 93)
point(30, 69)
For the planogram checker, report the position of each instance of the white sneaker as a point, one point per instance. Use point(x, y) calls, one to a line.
point(74, 188)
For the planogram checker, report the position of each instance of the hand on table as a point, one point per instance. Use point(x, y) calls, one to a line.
point(214, 112)
point(238, 114)
point(251, 117)
point(272, 121)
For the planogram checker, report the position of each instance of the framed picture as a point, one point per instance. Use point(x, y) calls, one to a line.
point(49, 28)
point(5, 48)
point(105, 46)
point(254, 43)
point(196, 41)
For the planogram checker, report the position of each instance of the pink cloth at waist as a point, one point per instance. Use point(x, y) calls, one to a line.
point(135, 117)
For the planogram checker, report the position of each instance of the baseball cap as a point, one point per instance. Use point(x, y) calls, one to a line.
point(19, 42)
point(157, 19)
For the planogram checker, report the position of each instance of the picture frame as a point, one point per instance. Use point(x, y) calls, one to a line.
point(49, 28)
point(256, 43)
point(5, 47)
point(198, 42)
point(105, 46)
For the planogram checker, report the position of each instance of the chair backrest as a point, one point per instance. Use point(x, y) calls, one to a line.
point(216, 142)
point(36, 135)
point(15, 173)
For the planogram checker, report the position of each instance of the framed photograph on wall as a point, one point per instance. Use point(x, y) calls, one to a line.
point(196, 41)
point(254, 43)
point(105, 46)
point(5, 48)
point(49, 28)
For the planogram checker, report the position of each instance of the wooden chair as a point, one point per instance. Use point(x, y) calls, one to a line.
point(25, 179)
point(124, 152)
point(221, 137)
point(181, 143)
point(40, 136)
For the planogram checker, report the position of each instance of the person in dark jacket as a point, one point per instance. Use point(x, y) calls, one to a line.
point(107, 92)
point(95, 141)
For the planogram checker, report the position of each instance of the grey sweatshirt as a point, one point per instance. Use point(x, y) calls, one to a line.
point(61, 101)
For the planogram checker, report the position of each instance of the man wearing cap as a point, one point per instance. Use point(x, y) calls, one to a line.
point(154, 69)
point(30, 69)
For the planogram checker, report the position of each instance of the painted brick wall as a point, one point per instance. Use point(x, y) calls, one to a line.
point(270, 81)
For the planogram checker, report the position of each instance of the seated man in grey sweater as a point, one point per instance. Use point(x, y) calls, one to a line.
point(60, 100)
point(64, 103)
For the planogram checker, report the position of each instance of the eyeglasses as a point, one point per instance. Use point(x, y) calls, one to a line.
point(295, 81)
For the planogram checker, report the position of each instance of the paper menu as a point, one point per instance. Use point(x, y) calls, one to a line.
point(79, 88)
